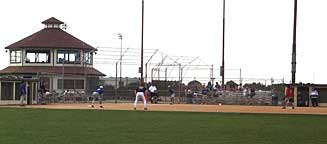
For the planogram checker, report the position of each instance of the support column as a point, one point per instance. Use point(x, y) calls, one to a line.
point(0, 90)
point(295, 88)
point(310, 89)
point(14, 92)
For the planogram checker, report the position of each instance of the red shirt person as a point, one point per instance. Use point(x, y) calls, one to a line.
point(289, 93)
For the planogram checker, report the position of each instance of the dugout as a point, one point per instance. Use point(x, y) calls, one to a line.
point(302, 94)
point(9, 90)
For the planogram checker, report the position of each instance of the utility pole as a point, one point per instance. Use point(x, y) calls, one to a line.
point(141, 68)
point(241, 79)
point(294, 44)
point(116, 84)
point(120, 36)
point(116, 87)
point(180, 81)
point(222, 68)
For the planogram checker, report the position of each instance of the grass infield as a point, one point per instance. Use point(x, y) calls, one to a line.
point(45, 126)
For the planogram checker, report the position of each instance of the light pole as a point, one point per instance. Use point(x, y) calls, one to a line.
point(116, 75)
point(222, 68)
point(141, 68)
point(116, 84)
point(120, 36)
point(294, 44)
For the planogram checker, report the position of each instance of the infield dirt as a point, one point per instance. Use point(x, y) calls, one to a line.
point(190, 108)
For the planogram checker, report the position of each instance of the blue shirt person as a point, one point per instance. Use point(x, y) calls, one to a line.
point(172, 94)
point(22, 92)
point(97, 94)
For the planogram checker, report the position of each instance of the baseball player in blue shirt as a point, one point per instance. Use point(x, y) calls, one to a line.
point(98, 94)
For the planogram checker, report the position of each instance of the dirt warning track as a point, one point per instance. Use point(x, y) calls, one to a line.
point(191, 108)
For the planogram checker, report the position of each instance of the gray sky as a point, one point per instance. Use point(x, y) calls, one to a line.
point(258, 32)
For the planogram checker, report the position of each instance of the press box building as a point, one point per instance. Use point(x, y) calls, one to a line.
point(52, 57)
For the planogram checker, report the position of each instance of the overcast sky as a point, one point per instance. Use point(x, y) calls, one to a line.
point(258, 32)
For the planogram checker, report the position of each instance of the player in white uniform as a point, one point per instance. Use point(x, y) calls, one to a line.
point(153, 93)
point(139, 92)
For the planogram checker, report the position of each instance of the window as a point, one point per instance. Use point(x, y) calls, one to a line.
point(88, 58)
point(15, 56)
point(70, 84)
point(17, 91)
point(7, 90)
point(45, 81)
point(68, 57)
point(52, 26)
point(36, 56)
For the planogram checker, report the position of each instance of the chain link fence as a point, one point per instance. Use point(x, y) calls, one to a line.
point(181, 97)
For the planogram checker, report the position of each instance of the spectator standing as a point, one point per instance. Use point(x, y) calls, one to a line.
point(42, 91)
point(204, 98)
point(274, 97)
point(314, 97)
point(209, 86)
point(22, 91)
point(288, 100)
point(252, 92)
point(218, 88)
point(245, 92)
point(172, 94)
point(189, 97)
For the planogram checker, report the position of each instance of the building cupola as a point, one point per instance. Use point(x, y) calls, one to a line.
point(52, 23)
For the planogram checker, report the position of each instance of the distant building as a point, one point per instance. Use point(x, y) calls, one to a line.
point(51, 57)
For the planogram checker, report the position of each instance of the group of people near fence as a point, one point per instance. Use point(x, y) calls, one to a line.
point(248, 92)
point(218, 90)
point(154, 96)
point(288, 100)
point(23, 88)
point(141, 92)
point(202, 94)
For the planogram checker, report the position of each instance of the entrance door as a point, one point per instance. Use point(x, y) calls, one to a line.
point(29, 93)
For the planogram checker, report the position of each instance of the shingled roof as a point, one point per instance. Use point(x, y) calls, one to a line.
point(51, 70)
point(51, 38)
point(52, 20)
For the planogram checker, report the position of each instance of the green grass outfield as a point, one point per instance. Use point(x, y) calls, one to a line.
point(42, 126)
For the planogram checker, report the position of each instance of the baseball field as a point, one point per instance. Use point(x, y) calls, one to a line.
point(79, 124)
